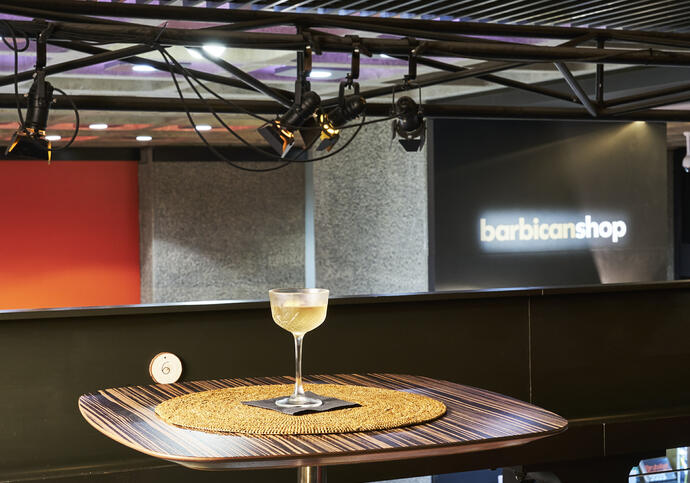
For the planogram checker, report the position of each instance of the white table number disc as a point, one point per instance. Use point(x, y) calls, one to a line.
point(165, 368)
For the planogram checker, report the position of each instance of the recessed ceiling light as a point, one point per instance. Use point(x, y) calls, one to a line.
point(214, 50)
point(144, 138)
point(98, 126)
point(143, 68)
point(320, 74)
point(53, 137)
point(203, 127)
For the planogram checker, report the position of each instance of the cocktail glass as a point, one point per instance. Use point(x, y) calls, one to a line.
point(298, 310)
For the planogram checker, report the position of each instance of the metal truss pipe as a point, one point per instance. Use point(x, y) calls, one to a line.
point(268, 41)
point(146, 104)
point(251, 81)
point(576, 88)
point(105, 56)
point(124, 10)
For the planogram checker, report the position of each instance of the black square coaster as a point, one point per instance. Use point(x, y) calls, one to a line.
point(328, 404)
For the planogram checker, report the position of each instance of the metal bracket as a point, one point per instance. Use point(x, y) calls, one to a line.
point(599, 78)
point(411, 62)
point(304, 62)
point(307, 61)
point(41, 47)
point(312, 43)
point(354, 59)
point(341, 91)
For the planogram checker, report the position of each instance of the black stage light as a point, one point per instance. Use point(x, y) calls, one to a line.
point(410, 124)
point(29, 140)
point(280, 133)
point(348, 109)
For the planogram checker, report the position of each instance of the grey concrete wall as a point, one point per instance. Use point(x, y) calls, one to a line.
point(370, 217)
point(212, 232)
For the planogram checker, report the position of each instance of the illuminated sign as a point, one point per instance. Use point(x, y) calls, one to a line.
point(517, 231)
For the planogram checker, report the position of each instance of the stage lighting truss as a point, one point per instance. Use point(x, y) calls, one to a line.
point(62, 23)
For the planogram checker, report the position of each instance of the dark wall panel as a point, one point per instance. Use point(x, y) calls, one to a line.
point(439, 339)
point(598, 354)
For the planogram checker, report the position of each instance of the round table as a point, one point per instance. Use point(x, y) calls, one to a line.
point(475, 420)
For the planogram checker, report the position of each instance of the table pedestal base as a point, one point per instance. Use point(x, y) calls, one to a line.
point(311, 474)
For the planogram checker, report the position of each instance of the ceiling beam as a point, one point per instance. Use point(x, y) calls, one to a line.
point(163, 12)
point(617, 101)
point(105, 56)
point(331, 43)
point(147, 104)
point(576, 88)
point(496, 79)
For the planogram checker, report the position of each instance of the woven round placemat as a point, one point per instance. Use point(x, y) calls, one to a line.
point(222, 410)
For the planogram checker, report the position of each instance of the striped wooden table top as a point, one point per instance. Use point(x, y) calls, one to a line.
point(476, 420)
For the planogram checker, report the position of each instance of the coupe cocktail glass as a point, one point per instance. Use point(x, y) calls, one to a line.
point(298, 310)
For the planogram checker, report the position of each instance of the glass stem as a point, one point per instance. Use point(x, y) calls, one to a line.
point(299, 390)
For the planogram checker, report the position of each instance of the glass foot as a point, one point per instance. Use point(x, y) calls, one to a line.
point(298, 402)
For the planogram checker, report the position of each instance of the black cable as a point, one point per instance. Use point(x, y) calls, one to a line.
point(269, 154)
point(201, 136)
point(218, 96)
point(168, 57)
point(4, 39)
point(77, 121)
point(16, 51)
point(184, 71)
point(240, 138)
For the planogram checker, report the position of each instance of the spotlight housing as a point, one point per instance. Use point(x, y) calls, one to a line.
point(280, 133)
point(410, 125)
point(348, 109)
point(29, 145)
point(29, 140)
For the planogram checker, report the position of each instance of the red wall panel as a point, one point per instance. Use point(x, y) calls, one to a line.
point(69, 234)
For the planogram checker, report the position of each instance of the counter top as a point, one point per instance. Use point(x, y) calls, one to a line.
point(222, 305)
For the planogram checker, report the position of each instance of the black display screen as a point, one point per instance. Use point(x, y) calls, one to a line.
point(543, 203)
